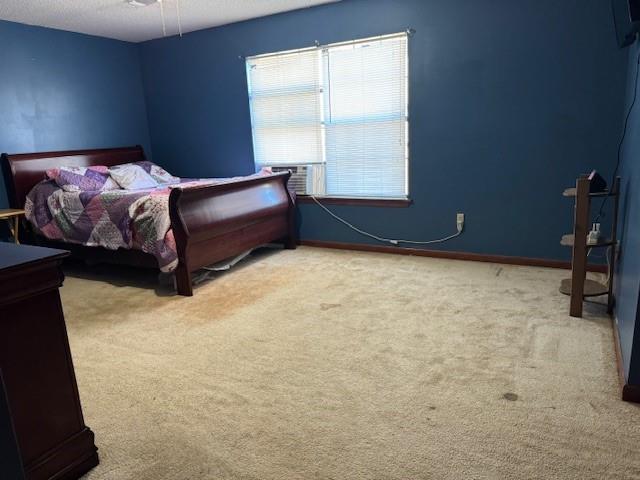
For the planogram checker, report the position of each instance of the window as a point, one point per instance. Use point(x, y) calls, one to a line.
point(336, 115)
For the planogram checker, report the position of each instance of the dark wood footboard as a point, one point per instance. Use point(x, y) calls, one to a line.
point(215, 222)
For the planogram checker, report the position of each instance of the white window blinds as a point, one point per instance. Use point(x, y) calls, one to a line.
point(366, 118)
point(284, 92)
point(342, 107)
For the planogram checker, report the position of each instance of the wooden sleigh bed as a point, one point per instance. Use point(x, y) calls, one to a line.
point(210, 223)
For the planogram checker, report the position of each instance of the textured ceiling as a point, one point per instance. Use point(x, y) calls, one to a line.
point(117, 19)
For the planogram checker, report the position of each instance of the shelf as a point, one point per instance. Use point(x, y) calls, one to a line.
point(571, 192)
point(568, 240)
point(579, 287)
point(591, 288)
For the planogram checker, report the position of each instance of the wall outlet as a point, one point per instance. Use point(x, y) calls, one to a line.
point(460, 221)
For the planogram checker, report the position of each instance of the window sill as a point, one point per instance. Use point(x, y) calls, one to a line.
point(362, 202)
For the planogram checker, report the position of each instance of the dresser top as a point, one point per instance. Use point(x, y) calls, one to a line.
point(12, 255)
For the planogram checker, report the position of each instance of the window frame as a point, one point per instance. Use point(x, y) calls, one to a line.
point(395, 201)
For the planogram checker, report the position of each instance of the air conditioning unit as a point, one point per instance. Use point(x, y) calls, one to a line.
point(298, 179)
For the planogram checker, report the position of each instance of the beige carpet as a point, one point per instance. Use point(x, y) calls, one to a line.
point(321, 364)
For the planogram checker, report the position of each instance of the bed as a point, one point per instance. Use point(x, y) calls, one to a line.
point(210, 223)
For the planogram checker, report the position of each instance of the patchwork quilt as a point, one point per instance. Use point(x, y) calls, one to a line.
point(111, 218)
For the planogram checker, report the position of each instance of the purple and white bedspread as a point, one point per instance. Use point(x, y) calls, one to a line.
point(112, 219)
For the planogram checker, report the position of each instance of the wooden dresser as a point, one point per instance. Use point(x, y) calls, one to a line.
point(36, 365)
point(10, 461)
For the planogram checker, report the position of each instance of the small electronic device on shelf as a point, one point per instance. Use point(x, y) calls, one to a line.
point(597, 184)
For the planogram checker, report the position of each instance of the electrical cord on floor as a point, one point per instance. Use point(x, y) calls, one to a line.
point(622, 138)
point(392, 241)
point(607, 257)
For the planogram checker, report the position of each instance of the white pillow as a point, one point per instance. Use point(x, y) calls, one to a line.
point(160, 175)
point(132, 177)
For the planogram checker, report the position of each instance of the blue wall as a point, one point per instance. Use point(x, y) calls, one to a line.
point(510, 101)
point(61, 91)
point(628, 275)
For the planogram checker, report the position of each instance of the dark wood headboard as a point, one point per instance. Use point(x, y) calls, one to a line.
point(24, 170)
